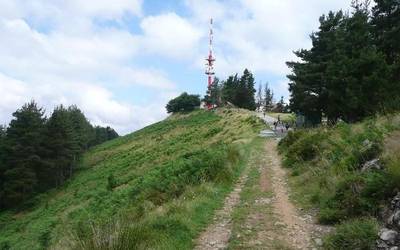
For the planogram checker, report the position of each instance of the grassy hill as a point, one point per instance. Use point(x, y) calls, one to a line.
point(155, 188)
point(329, 168)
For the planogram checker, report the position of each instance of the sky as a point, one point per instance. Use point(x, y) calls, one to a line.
point(120, 61)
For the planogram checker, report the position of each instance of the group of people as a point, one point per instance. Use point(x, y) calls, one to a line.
point(282, 125)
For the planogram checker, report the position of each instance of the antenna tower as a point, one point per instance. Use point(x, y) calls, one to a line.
point(210, 61)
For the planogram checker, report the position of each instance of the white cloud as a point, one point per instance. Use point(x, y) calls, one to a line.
point(170, 35)
point(260, 35)
point(98, 103)
point(75, 65)
point(83, 52)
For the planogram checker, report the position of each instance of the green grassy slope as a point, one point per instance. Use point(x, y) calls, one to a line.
point(155, 188)
point(327, 174)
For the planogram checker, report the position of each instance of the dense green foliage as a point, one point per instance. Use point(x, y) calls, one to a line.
point(154, 189)
point(353, 234)
point(183, 103)
point(327, 167)
point(239, 91)
point(352, 70)
point(37, 153)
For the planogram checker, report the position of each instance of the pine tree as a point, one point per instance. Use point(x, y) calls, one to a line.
point(24, 154)
point(81, 127)
point(343, 76)
point(213, 96)
point(362, 70)
point(280, 106)
point(386, 30)
point(308, 86)
point(268, 98)
point(245, 94)
point(63, 146)
point(260, 99)
point(229, 89)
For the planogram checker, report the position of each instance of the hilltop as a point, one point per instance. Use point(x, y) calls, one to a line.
point(155, 187)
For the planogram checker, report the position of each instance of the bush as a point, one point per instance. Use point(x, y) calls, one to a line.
point(304, 147)
point(353, 235)
point(356, 195)
point(182, 103)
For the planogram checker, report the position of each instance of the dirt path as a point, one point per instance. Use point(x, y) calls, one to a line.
point(298, 229)
point(265, 217)
point(258, 213)
point(217, 235)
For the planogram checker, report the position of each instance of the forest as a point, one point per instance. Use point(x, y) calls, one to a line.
point(39, 153)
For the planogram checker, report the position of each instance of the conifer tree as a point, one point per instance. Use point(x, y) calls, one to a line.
point(229, 89)
point(260, 99)
point(82, 128)
point(245, 94)
point(63, 145)
point(268, 98)
point(24, 145)
point(213, 96)
point(386, 30)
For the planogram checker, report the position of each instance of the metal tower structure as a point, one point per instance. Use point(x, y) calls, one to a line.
point(210, 60)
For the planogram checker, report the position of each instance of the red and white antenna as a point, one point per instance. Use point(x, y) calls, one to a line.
point(210, 59)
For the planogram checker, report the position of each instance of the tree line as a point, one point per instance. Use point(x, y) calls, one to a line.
point(240, 91)
point(39, 153)
point(352, 70)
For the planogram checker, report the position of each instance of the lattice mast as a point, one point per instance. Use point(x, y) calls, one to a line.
point(210, 60)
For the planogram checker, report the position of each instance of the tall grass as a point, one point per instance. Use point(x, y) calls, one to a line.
point(327, 171)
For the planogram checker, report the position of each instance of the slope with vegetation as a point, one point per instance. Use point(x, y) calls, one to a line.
point(156, 188)
point(39, 153)
point(348, 172)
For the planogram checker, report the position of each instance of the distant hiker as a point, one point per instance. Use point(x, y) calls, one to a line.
point(287, 126)
point(275, 124)
point(279, 118)
point(264, 113)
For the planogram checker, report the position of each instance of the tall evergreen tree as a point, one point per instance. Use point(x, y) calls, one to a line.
point(386, 29)
point(268, 98)
point(344, 75)
point(246, 91)
point(213, 96)
point(260, 99)
point(360, 68)
point(280, 106)
point(229, 89)
point(308, 84)
point(24, 145)
point(63, 146)
point(82, 129)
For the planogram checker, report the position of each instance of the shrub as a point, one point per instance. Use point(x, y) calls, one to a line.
point(393, 168)
point(353, 234)
point(304, 148)
point(356, 195)
point(111, 182)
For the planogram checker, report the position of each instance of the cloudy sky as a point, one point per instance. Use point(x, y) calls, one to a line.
point(120, 61)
